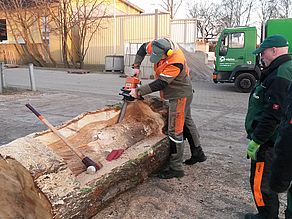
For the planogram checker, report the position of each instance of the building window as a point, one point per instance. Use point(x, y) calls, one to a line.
point(3, 30)
point(45, 30)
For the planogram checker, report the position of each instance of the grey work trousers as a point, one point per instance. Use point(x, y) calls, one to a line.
point(180, 116)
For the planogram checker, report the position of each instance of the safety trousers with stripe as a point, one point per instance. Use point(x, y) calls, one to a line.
point(179, 115)
point(266, 200)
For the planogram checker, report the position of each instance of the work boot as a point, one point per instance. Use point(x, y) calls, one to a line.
point(253, 216)
point(169, 173)
point(197, 155)
point(196, 159)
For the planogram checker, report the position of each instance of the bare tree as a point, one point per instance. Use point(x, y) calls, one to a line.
point(236, 12)
point(285, 9)
point(207, 15)
point(77, 22)
point(231, 13)
point(87, 21)
point(266, 9)
point(171, 6)
point(228, 13)
point(273, 9)
point(23, 19)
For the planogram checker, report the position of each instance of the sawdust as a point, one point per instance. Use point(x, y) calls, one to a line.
point(96, 134)
point(136, 150)
point(61, 175)
point(10, 94)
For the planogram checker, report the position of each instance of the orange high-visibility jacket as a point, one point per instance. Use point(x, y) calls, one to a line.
point(173, 72)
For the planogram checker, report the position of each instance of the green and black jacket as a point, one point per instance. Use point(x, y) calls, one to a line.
point(282, 162)
point(266, 101)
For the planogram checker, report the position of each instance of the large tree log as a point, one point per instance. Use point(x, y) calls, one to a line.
point(40, 172)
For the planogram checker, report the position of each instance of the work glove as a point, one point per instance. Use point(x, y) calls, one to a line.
point(133, 93)
point(252, 149)
point(136, 72)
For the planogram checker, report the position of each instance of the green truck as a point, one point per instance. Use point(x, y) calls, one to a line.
point(235, 62)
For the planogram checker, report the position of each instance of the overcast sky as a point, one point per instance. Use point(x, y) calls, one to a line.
point(147, 5)
point(151, 5)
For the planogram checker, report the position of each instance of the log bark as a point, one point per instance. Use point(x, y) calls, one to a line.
point(56, 177)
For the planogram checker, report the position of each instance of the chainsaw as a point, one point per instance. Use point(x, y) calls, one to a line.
point(131, 83)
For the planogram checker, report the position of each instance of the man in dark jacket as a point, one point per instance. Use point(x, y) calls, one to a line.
point(173, 82)
point(262, 120)
point(281, 177)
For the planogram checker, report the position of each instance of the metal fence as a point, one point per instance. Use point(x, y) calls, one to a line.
point(184, 33)
point(124, 30)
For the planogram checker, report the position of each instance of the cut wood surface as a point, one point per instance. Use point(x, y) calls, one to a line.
point(59, 177)
point(20, 198)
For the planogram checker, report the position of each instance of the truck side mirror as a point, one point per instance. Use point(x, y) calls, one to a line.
point(223, 50)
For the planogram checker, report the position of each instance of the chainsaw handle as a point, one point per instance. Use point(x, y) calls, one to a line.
point(125, 91)
point(140, 98)
point(127, 96)
point(33, 109)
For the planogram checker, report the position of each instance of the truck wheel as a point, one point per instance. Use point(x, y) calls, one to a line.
point(245, 82)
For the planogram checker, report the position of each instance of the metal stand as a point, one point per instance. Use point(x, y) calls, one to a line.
point(2, 80)
point(31, 77)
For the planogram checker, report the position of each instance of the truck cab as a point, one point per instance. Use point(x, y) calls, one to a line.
point(235, 62)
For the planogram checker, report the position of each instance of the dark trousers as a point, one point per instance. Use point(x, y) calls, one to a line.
point(266, 200)
point(288, 212)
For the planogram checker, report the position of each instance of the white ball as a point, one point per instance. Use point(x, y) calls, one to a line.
point(91, 170)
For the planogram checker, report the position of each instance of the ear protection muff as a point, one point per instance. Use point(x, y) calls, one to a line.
point(168, 52)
